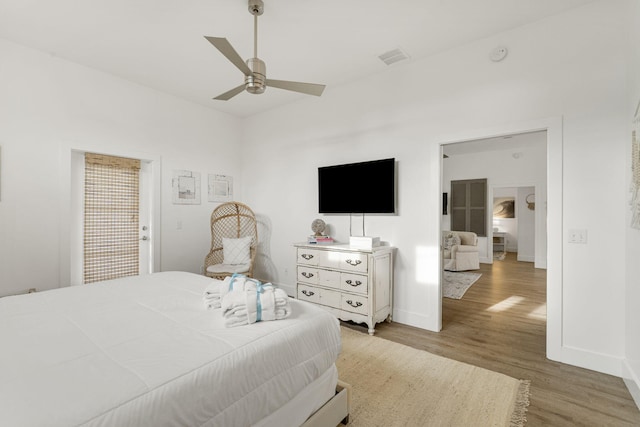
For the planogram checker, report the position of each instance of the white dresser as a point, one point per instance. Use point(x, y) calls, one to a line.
point(353, 284)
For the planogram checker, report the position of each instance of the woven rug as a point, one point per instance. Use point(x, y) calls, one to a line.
point(456, 283)
point(396, 385)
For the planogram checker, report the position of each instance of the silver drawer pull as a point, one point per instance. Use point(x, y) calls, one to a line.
point(308, 293)
point(306, 256)
point(350, 282)
point(353, 263)
point(352, 304)
point(307, 275)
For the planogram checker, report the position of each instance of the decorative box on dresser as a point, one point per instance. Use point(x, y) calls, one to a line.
point(353, 284)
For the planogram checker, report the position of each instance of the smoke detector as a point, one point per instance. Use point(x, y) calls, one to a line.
point(498, 54)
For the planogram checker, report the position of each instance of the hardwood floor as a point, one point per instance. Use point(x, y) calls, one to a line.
point(500, 324)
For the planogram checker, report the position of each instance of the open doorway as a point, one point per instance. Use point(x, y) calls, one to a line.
point(513, 223)
point(511, 278)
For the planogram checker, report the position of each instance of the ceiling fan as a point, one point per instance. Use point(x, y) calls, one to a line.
point(254, 70)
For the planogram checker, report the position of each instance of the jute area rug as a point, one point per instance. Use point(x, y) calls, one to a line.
point(396, 385)
point(456, 283)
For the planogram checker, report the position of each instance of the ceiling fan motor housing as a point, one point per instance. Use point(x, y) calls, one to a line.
point(256, 82)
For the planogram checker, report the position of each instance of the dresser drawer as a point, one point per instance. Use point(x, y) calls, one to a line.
point(307, 274)
point(329, 278)
point(319, 295)
point(354, 303)
point(352, 261)
point(354, 283)
point(330, 298)
point(308, 293)
point(309, 256)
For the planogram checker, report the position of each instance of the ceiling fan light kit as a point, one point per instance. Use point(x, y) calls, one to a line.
point(254, 69)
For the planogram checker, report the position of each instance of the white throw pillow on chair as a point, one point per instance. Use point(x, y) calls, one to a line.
point(236, 251)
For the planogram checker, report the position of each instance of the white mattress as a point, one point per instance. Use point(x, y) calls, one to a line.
point(144, 351)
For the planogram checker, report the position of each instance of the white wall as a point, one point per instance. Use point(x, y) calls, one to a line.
point(632, 321)
point(570, 66)
point(48, 107)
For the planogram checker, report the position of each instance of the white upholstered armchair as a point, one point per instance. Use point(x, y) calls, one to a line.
point(460, 250)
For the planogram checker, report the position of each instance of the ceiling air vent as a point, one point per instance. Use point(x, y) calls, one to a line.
point(393, 56)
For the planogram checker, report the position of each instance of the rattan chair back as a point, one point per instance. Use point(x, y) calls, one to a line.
point(231, 220)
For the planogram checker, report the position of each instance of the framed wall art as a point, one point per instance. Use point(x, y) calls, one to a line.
point(504, 207)
point(186, 187)
point(220, 188)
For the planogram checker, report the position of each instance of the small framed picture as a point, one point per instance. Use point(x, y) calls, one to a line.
point(504, 207)
point(186, 187)
point(220, 188)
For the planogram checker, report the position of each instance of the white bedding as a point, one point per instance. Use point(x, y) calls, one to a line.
point(144, 351)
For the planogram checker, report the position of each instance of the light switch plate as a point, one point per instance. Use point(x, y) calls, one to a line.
point(578, 236)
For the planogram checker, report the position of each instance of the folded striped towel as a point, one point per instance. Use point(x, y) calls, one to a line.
point(214, 292)
point(264, 303)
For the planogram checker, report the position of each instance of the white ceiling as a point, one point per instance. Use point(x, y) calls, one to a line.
point(160, 44)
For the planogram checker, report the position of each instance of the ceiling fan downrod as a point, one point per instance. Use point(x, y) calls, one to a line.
point(256, 83)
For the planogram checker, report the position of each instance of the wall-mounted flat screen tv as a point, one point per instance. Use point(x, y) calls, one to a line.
point(365, 187)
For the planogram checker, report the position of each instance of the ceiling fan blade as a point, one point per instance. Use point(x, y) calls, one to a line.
point(230, 94)
point(227, 50)
point(308, 88)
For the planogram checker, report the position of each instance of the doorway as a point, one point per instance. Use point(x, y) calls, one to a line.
point(137, 250)
point(513, 223)
point(515, 167)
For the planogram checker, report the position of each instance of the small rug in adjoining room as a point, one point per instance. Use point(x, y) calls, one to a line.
point(396, 385)
point(456, 283)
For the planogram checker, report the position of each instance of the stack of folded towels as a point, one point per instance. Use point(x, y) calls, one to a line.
point(216, 290)
point(244, 300)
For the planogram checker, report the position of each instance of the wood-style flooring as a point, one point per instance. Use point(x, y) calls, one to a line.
point(500, 324)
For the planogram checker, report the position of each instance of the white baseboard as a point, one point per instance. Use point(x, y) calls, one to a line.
point(581, 358)
point(526, 258)
point(632, 381)
point(417, 320)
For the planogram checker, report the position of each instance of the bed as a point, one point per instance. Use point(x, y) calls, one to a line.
point(143, 351)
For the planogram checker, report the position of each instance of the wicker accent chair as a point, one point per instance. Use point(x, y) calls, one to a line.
point(234, 238)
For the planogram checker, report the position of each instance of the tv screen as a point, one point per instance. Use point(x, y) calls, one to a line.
point(365, 187)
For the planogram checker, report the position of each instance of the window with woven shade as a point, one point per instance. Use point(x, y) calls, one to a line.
point(469, 206)
point(111, 217)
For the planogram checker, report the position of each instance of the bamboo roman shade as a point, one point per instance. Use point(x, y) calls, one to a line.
point(111, 217)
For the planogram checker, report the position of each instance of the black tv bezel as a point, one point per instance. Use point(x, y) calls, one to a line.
point(355, 166)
